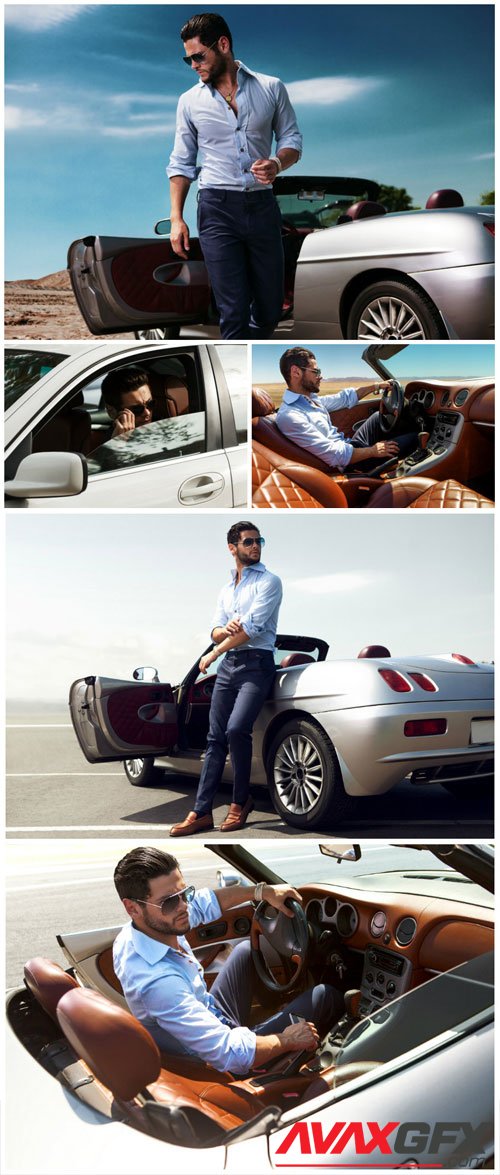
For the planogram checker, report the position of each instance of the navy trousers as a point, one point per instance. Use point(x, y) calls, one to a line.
point(322, 1005)
point(370, 432)
point(240, 236)
point(243, 683)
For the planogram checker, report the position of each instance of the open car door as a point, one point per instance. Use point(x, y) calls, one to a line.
point(116, 720)
point(131, 284)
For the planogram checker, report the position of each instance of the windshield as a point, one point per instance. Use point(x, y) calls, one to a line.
point(23, 369)
point(454, 363)
point(315, 207)
point(388, 868)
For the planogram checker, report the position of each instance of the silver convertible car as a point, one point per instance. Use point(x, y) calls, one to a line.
point(59, 447)
point(403, 1079)
point(352, 271)
point(332, 731)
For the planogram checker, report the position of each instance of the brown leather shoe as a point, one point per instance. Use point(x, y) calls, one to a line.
point(237, 816)
point(192, 824)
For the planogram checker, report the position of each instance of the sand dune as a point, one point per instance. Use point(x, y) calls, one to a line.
point(45, 308)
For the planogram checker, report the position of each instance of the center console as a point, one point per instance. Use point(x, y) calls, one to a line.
point(385, 977)
point(445, 435)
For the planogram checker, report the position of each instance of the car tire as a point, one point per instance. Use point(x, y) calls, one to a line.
point(158, 333)
point(394, 310)
point(141, 772)
point(305, 778)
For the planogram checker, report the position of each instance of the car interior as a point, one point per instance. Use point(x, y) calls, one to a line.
point(410, 965)
point(452, 466)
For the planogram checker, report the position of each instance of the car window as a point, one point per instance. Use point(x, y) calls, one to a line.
point(23, 369)
point(314, 208)
point(158, 441)
point(233, 358)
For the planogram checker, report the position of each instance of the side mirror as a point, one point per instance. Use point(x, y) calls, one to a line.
point(341, 852)
point(146, 673)
point(227, 877)
point(49, 475)
point(162, 228)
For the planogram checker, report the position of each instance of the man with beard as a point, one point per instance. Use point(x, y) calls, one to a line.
point(244, 629)
point(304, 417)
point(230, 118)
point(164, 985)
point(128, 399)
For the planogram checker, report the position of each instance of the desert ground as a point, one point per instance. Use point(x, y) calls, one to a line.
point(45, 308)
point(328, 387)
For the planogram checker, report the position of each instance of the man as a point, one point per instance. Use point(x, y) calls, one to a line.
point(127, 396)
point(163, 982)
point(244, 629)
point(230, 118)
point(304, 417)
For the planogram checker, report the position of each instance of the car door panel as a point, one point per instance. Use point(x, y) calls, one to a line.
point(114, 720)
point(122, 283)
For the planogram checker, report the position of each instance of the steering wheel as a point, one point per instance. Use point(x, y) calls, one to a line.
point(391, 406)
point(288, 936)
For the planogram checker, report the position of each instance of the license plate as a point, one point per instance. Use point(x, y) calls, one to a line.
point(481, 730)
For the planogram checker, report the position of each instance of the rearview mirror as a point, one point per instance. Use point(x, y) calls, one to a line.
point(146, 673)
point(341, 852)
point(227, 877)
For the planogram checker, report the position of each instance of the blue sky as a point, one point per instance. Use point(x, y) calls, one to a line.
point(403, 583)
point(398, 93)
point(431, 360)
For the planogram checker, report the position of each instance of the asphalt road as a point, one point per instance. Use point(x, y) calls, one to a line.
point(52, 791)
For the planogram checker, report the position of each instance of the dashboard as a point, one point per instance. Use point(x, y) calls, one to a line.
point(459, 418)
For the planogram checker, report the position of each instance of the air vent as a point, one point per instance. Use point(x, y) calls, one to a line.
point(242, 926)
point(378, 924)
point(405, 931)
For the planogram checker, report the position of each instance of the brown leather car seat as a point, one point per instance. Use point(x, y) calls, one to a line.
point(295, 659)
point(68, 431)
point(266, 432)
point(374, 651)
point(48, 982)
point(422, 493)
point(280, 484)
point(169, 388)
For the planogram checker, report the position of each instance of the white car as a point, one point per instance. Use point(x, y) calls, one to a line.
point(58, 434)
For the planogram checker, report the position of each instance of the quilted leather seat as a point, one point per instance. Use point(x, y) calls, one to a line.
point(422, 493)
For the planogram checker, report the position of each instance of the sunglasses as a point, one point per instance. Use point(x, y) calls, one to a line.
point(260, 542)
point(139, 409)
point(197, 57)
point(169, 904)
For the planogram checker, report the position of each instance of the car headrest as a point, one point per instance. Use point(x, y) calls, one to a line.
point(295, 659)
point(445, 198)
point(262, 404)
point(48, 982)
point(365, 208)
point(120, 1052)
point(374, 651)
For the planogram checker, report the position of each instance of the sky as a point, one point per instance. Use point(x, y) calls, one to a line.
point(427, 360)
point(102, 594)
point(397, 93)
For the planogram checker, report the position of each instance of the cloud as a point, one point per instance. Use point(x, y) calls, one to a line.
point(22, 118)
point(340, 584)
point(34, 18)
point(90, 112)
point(136, 132)
point(486, 155)
point(331, 91)
point(22, 87)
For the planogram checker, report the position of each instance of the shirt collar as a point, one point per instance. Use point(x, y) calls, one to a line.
point(290, 397)
point(148, 948)
point(242, 69)
point(256, 567)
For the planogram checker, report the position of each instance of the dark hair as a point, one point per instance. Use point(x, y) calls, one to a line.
point(117, 383)
point(135, 871)
point(295, 356)
point(208, 26)
point(235, 531)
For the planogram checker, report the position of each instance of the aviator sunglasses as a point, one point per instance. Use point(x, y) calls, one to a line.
point(260, 542)
point(197, 57)
point(139, 409)
point(169, 904)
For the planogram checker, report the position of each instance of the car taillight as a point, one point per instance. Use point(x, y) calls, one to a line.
point(420, 727)
point(395, 681)
point(490, 228)
point(424, 682)
point(463, 659)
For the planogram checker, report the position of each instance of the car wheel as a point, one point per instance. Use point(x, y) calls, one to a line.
point(141, 772)
point(304, 777)
point(158, 333)
point(393, 310)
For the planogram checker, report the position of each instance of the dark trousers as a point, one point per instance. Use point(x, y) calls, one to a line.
point(240, 237)
point(243, 683)
point(322, 1005)
point(370, 432)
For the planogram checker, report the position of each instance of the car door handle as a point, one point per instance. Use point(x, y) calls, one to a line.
point(201, 488)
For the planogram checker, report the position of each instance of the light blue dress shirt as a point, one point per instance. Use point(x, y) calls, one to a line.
point(255, 600)
point(306, 420)
point(166, 991)
point(228, 144)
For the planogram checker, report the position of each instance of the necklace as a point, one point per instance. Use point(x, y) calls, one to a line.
point(229, 97)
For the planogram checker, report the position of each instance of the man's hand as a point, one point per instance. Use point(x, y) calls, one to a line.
point(179, 237)
point(373, 389)
point(384, 449)
point(300, 1036)
point(207, 660)
point(124, 423)
point(264, 170)
point(232, 627)
point(276, 895)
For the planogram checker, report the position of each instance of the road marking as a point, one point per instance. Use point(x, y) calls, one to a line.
point(38, 726)
point(85, 827)
point(80, 881)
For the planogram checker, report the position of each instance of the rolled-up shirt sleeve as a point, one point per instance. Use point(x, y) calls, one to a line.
point(265, 602)
point(220, 616)
point(176, 1010)
point(298, 428)
point(347, 398)
point(286, 131)
point(183, 158)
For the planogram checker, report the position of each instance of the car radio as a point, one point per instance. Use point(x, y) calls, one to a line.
point(385, 977)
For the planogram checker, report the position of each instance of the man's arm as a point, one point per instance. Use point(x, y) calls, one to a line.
point(371, 389)
point(229, 642)
point(266, 170)
point(179, 233)
point(182, 171)
point(274, 895)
